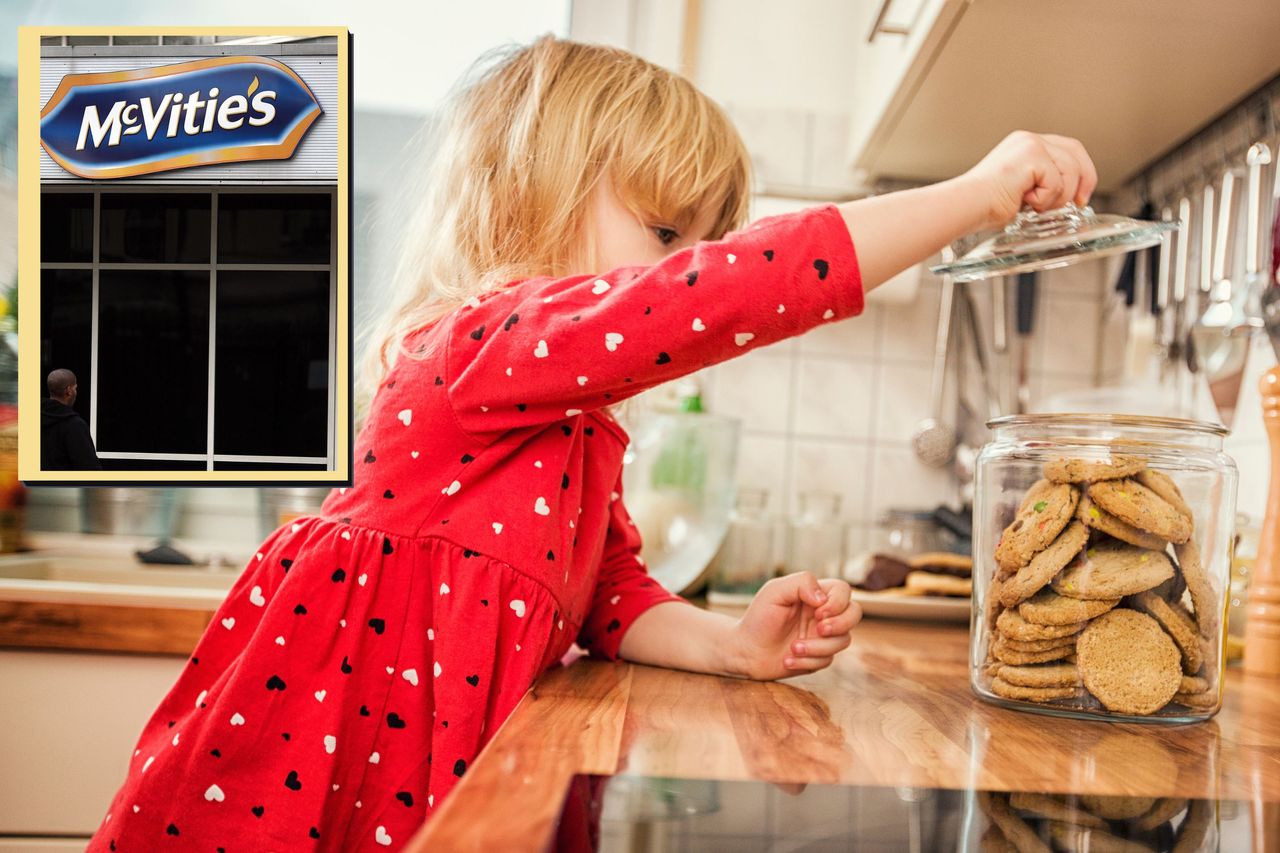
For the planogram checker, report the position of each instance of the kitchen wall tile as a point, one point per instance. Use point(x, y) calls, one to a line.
point(829, 154)
point(834, 398)
point(1067, 342)
point(830, 466)
point(907, 331)
point(754, 387)
point(856, 338)
point(762, 464)
point(901, 481)
point(774, 137)
point(902, 401)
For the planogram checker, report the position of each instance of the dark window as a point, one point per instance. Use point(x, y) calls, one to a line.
point(274, 228)
point(152, 465)
point(160, 228)
point(272, 360)
point(153, 361)
point(66, 315)
point(66, 227)
point(89, 40)
point(268, 466)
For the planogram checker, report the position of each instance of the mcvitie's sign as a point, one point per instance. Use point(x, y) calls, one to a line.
point(222, 109)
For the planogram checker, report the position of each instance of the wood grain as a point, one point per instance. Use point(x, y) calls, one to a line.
point(103, 628)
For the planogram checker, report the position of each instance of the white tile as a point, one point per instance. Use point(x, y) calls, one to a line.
point(762, 462)
point(900, 481)
point(829, 155)
point(834, 398)
point(902, 401)
point(777, 140)
point(908, 330)
point(1066, 335)
point(1046, 387)
point(852, 338)
point(830, 466)
point(755, 388)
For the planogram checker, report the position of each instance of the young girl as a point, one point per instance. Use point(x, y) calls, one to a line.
point(578, 248)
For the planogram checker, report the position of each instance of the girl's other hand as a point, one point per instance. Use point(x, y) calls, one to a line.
point(1043, 171)
point(795, 624)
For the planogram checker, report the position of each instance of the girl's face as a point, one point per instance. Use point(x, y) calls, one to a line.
point(623, 239)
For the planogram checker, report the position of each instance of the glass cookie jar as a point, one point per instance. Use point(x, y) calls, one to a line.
point(1102, 554)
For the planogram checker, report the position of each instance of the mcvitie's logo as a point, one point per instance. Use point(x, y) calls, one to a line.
point(223, 109)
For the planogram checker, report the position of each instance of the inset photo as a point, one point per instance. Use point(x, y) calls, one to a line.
point(185, 308)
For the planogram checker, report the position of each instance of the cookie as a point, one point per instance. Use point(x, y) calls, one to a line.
point(1128, 662)
point(1101, 520)
point(1067, 836)
point(1011, 624)
point(1172, 589)
point(1036, 491)
point(1032, 577)
point(943, 563)
point(1048, 608)
point(1040, 675)
point(1015, 830)
point(993, 841)
point(1065, 469)
point(1164, 486)
point(1193, 684)
point(1112, 570)
point(1036, 525)
point(1202, 701)
point(1134, 503)
point(1194, 828)
point(1053, 808)
point(1165, 810)
point(1197, 579)
point(1117, 808)
point(1036, 645)
point(1177, 623)
point(927, 583)
point(1001, 652)
point(1000, 687)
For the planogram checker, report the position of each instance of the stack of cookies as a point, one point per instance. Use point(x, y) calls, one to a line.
point(1027, 822)
point(1099, 597)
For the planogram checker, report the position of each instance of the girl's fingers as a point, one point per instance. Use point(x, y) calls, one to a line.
point(806, 664)
point(1088, 172)
point(838, 596)
point(1069, 168)
point(840, 623)
point(821, 646)
point(798, 587)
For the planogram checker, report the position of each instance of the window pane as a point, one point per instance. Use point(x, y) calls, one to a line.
point(66, 227)
point(159, 227)
point(267, 466)
point(151, 465)
point(273, 228)
point(153, 361)
point(272, 372)
point(92, 40)
point(66, 305)
point(123, 40)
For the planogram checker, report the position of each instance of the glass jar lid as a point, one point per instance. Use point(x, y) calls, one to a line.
point(1055, 238)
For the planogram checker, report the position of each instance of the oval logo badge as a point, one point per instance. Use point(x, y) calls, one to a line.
point(224, 109)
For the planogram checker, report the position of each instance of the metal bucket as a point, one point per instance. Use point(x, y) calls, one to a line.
point(148, 512)
point(277, 506)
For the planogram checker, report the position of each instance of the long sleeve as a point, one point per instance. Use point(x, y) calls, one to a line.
point(80, 450)
point(623, 588)
point(545, 349)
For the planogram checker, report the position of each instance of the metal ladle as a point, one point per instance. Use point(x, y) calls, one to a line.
point(933, 440)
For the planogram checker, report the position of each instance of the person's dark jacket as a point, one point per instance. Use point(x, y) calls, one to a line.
point(65, 443)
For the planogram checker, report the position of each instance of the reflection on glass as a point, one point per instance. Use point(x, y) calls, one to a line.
point(155, 228)
point(66, 306)
point(274, 228)
point(66, 227)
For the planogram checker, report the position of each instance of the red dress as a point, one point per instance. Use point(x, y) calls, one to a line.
point(367, 652)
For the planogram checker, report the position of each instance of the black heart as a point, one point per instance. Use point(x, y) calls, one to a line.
point(364, 710)
point(275, 682)
point(576, 317)
point(300, 610)
point(564, 481)
point(608, 396)
point(257, 810)
point(520, 407)
point(551, 555)
point(369, 457)
point(590, 431)
point(459, 767)
point(467, 553)
point(291, 781)
point(692, 278)
point(386, 545)
point(511, 321)
point(113, 844)
point(485, 602)
point(405, 797)
point(444, 723)
point(439, 381)
point(284, 735)
point(821, 266)
point(388, 494)
point(391, 384)
point(393, 720)
point(648, 309)
point(473, 680)
point(768, 254)
point(477, 334)
point(338, 576)
point(315, 833)
point(663, 358)
point(216, 753)
point(346, 667)
point(172, 723)
point(467, 457)
point(171, 829)
point(377, 625)
point(613, 626)
point(286, 562)
point(566, 430)
point(195, 660)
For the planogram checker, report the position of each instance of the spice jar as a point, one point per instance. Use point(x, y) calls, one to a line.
point(816, 535)
point(1102, 551)
point(745, 561)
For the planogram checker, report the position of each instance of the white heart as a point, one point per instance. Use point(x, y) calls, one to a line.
point(782, 309)
point(437, 669)
point(405, 415)
point(296, 528)
point(346, 534)
point(451, 489)
point(411, 676)
point(375, 758)
point(540, 351)
point(731, 257)
point(200, 698)
point(600, 286)
point(413, 453)
point(431, 800)
point(259, 555)
point(518, 606)
point(484, 408)
point(214, 794)
point(175, 738)
point(611, 341)
point(381, 836)
point(517, 647)
point(540, 506)
point(364, 576)
point(743, 338)
point(537, 463)
point(473, 302)
point(237, 720)
point(508, 371)
point(444, 589)
point(335, 786)
point(320, 694)
point(147, 763)
point(582, 380)
point(342, 622)
point(698, 325)
point(256, 597)
point(342, 491)
point(828, 314)
point(135, 809)
point(614, 600)
point(229, 622)
point(357, 804)
point(613, 496)
point(560, 625)
point(431, 633)
point(569, 413)
point(279, 641)
point(497, 527)
point(330, 744)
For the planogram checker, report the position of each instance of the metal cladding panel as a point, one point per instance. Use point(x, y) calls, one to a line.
point(314, 161)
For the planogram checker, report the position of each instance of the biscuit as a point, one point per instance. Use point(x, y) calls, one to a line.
point(1048, 608)
point(1202, 701)
point(1054, 808)
point(1036, 645)
point(993, 841)
point(927, 583)
point(1193, 684)
point(943, 562)
point(1032, 577)
point(1197, 579)
point(1128, 662)
point(1113, 570)
point(1067, 836)
point(1117, 808)
point(1134, 503)
point(1003, 653)
point(1040, 675)
point(1015, 830)
point(1177, 623)
point(1165, 810)
point(1194, 827)
point(1013, 626)
point(1066, 469)
point(1164, 486)
point(1036, 525)
point(1000, 687)
point(1036, 491)
point(1101, 520)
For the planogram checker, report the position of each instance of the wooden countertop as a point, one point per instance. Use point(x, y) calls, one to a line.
point(895, 709)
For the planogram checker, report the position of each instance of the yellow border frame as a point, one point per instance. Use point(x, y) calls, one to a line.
point(29, 272)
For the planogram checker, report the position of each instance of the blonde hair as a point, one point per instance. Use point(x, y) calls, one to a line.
point(522, 148)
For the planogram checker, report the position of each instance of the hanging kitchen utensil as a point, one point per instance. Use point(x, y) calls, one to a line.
point(934, 441)
point(1056, 238)
point(1000, 339)
point(1026, 313)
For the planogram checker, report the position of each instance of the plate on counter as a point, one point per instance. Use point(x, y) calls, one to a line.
point(931, 608)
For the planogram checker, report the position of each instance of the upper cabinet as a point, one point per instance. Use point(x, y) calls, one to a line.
point(938, 82)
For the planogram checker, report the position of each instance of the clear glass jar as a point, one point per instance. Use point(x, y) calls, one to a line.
point(745, 560)
point(1102, 554)
point(906, 532)
point(816, 535)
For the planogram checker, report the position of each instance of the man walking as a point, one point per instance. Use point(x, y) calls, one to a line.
point(65, 443)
